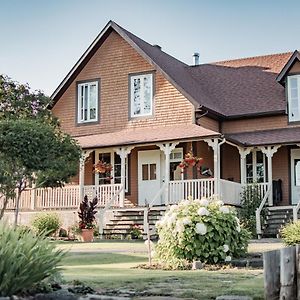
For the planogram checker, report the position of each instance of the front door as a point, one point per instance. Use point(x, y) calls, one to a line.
point(295, 175)
point(148, 176)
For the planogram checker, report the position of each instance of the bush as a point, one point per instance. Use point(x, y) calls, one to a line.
point(25, 259)
point(204, 230)
point(46, 222)
point(290, 233)
point(250, 201)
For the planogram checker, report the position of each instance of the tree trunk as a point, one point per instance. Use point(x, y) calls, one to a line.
point(4, 207)
point(17, 206)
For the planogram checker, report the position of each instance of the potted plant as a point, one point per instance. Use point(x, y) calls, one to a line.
point(86, 214)
point(135, 232)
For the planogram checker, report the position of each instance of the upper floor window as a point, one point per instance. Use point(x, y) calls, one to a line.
point(141, 95)
point(87, 102)
point(294, 98)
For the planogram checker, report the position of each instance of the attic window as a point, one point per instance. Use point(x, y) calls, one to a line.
point(141, 95)
point(87, 102)
point(294, 98)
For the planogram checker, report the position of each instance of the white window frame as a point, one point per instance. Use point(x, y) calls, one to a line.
point(112, 161)
point(254, 167)
point(132, 77)
point(176, 150)
point(81, 119)
point(289, 94)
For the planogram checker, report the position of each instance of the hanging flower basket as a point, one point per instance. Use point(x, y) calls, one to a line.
point(102, 167)
point(190, 161)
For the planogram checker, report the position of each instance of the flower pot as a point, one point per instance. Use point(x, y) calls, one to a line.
point(87, 235)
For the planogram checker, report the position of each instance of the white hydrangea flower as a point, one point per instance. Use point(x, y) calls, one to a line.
point(204, 202)
point(228, 258)
point(238, 228)
point(179, 226)
point(186, 221)
point(171, 220)
point(184, 203)
point(225, 248)
point(158, 223)
point(237, 220)
point(202, 211)
point(201, 228)
point(219, 202)
point(190, 198)
point(224, 209)
point(173, 207)
point(148, 241)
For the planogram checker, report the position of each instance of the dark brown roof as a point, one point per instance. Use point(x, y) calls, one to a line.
point(146, 135)
point(230, 89)
point(266, 137)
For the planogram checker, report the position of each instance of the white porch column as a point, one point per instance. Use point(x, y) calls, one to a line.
point(83, 157)
point(269, 152)
point(243, 153)
point(123, 153)
point(214, 144)
point(167, 148)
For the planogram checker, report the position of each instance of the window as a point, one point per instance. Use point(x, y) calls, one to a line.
point(115, 175)
point(176, 157)
point(256, 167)
point(141, 95)
point(294, 98)
point(88, 102)
point(148, 172)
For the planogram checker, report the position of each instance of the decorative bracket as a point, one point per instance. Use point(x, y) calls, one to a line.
point(123, 151)
point(244, 151)
point(84, 156)
point(167, 148)
point(269, 151)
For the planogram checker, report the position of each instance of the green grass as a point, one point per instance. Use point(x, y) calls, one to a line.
point(115, 270)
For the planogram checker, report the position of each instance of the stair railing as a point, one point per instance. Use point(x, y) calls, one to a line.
point(148, 208)
point(259, 210)
point(105, 208)
point(295, 211)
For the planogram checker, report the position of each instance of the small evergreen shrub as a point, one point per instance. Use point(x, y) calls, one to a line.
point(290, 234)
point(204, 230)
point(25, 259)
point(48, 223)
point(250, 201)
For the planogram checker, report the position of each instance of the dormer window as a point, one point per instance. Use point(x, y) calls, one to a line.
point(293, 85)
point(141, 95)
point(87, 101)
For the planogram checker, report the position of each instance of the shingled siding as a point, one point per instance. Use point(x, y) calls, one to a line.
point(112, 63)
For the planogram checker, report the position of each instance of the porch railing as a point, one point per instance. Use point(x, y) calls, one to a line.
point(195, 188)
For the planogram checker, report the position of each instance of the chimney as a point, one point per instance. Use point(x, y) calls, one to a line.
point(156, 46)
point(196, 59)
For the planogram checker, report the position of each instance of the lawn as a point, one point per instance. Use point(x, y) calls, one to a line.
point(111, 267)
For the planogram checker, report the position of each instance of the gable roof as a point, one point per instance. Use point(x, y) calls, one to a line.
point(228, 89)
point(295, 57)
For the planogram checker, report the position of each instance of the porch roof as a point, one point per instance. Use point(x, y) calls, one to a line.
point(146, 136)
point(266, 137)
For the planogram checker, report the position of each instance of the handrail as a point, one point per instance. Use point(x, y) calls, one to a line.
point(105, 208)
point(158, 194)
point(258, 212)
point(295, 211)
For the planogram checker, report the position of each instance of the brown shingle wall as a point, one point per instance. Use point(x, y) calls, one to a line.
point(254, 124)
point(230, 163)
point(295, 68)
point(209, 123)
point(281, 171)
point(112, 63)
point(207, 154)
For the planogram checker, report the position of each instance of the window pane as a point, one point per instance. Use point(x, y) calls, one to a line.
point(145, 172)
point(259, 157)
point(147, 94)
point(104, 178)
point(85, 105)
point(293, 83)
point(249, 158)
point(136, 96)
point(93, 101)
point(153, 172)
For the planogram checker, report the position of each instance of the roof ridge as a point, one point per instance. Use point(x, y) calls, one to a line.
point(252, 57)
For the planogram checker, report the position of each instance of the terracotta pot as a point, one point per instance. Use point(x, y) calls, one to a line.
point(87, 235)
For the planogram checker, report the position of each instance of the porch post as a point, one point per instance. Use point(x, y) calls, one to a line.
point(83, 157)
point(167, 148)
point(243, 153)
point(269, 152)
point(123, 152)
point(214, 144)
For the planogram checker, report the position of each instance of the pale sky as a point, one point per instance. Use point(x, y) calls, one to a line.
point(42, 39)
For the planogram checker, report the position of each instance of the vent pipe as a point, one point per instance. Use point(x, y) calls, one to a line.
point(196, 57)
point(157, 46)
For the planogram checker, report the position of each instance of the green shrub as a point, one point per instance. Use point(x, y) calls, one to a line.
point(46, 222)
point(25, 259)
point(250, 201)
point(290, 233)
point(204, 230)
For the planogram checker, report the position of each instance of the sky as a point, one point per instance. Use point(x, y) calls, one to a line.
point(41, 40)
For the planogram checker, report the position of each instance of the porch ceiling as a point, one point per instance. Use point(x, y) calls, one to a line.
point(146, 136)
point(266, 137)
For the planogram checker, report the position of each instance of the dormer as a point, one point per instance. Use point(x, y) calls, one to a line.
point(289, 77)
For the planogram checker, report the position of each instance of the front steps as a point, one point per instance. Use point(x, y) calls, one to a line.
point(122, 221)
point(275, 219)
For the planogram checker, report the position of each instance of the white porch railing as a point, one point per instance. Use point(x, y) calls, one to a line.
point(195, 188)
point(67, 197)
point(230, 192)
point(295, 211)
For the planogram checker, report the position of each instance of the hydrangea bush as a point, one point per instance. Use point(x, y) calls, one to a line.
point(204, 230)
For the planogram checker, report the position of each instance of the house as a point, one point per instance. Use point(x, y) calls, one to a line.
point(134, 107)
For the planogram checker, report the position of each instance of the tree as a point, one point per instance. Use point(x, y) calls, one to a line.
point(32, 146)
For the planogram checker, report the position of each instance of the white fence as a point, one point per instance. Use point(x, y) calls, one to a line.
point(230, 192)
